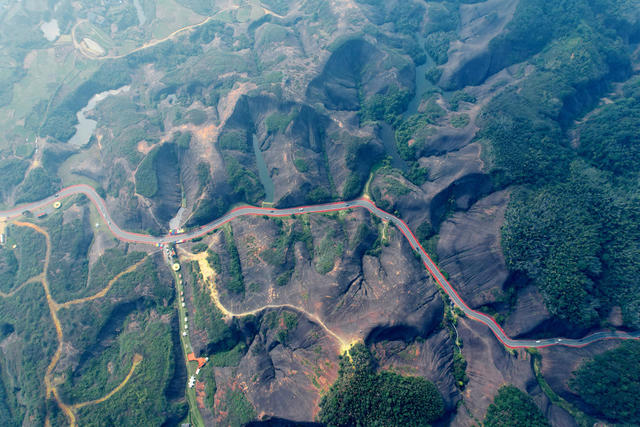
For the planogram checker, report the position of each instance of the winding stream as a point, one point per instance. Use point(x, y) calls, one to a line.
point(263, 172)
point(422, 84)
point(388, 137)
point(387, 134)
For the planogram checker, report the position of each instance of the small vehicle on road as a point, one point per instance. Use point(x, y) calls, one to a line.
point(300, 209)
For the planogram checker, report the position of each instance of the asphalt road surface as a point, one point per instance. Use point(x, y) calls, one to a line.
point(328, 207)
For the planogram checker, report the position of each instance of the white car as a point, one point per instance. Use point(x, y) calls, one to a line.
point(300, 209)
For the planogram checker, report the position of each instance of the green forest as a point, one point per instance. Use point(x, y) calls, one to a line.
point(512, 407)
point(572, 223)
point(425, 107)
point(364, 396)
point(610, 383)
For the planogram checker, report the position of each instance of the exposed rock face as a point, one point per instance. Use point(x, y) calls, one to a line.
point(558, 417)
point(469, 250)
point(363, 295)
point(130, 212)
point(384, 298)
point(559, 363)
point(358, 68)
point(456, 181)
point(489, 366)
point(430, 358)
point(166, 201)
point(471, 59)
point(529, 313)
point(303, 141)
point(278, 373)
point(446, 140)
point(293, 152)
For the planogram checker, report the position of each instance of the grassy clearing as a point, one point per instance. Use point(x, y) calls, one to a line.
point(45, 71)
point(326, 253)
point(238, 408)
point(171, 16)
point(85, 29)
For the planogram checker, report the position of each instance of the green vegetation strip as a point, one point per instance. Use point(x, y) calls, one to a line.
point(580, 417)
point(610, 383)
point(194, 413)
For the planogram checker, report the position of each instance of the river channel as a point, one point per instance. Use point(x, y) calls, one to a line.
point(263, 172)
point(387, 134)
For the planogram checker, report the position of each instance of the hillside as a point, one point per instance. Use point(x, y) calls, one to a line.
point(501, 133)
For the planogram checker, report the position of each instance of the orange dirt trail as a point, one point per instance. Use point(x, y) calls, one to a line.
point(54, 307)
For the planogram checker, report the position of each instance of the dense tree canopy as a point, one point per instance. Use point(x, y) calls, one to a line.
point(513, 408)
point(362, 397)
point(610, 382)
point(610, 140)
point(571, 226)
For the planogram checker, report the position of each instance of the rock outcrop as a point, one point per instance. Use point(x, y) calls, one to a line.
point(469, 250)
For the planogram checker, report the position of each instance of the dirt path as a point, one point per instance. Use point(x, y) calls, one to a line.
point(34, 279)
point(54, 307)
point(50, 389)
point(137, 358)
point(146, 45)
point(208, 275)
point(345, 344)
point(104, 291)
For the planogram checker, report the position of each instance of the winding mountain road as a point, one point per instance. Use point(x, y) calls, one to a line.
point(128, 236)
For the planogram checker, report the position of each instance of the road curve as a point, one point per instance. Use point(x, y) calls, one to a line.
point(128, 236)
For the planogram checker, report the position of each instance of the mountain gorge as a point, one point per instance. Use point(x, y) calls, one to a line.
point(502, 132)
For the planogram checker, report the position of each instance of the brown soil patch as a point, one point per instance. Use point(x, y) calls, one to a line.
point(143, 147)
point(29, 58)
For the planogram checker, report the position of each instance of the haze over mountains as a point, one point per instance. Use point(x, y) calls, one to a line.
point(502, 132)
